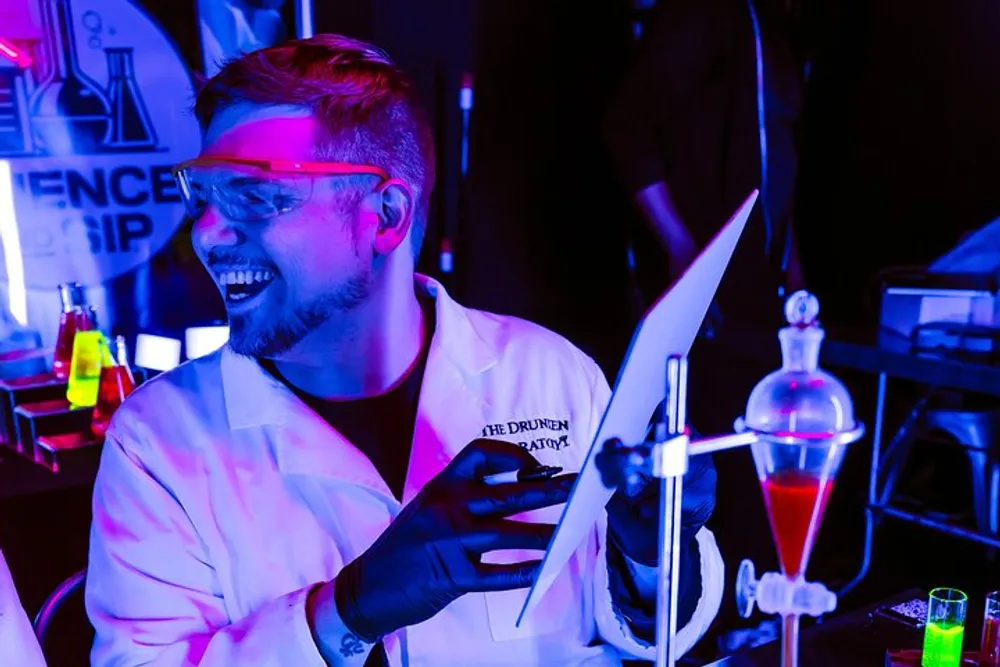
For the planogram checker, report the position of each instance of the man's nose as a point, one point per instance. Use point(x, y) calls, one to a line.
point(213, 229)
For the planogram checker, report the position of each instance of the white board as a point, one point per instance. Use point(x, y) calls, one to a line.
point(668, 328)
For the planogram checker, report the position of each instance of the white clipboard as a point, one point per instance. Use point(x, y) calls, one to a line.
point(669, 327)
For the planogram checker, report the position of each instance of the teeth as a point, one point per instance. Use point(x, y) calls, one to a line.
point(244, 277)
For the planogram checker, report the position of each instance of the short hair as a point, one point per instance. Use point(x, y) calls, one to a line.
point(367, 104)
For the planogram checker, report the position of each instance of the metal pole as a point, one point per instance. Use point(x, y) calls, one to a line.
point(873, 499)
point(668, 573)
point(304, 18)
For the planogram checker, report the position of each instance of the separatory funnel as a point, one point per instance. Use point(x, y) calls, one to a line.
point(803, 420)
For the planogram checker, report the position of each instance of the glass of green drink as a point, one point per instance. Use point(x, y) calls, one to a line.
point(945, 628)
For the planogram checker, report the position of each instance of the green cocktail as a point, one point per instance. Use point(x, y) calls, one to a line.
point(943, 645)
point(945, 628)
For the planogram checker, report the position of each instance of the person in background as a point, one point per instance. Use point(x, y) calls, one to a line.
point(313, 492)
point(18, 645)
point(684, 131)
point(233, 27)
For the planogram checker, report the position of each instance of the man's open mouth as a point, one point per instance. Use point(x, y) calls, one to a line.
point(243, 285)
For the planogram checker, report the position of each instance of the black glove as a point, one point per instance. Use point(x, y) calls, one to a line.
point(429, 555)
point(634, 509)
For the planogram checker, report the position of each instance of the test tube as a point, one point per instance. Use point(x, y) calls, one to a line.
point(989, 652)
point(945, 628)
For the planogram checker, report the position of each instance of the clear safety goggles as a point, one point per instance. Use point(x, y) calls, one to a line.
point(253, 190)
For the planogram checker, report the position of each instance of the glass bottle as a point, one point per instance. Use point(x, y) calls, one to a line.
point(804, 420)
point(800, 400)
point(70, 112)
point(131, 127)
point(115, 384)
point(90, 354)
point(76, 315)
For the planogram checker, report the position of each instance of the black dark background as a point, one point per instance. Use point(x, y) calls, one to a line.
point(901, 157)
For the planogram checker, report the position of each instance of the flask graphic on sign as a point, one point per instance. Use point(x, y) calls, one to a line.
point(70, 113)
point(93, 198)
point(131, 128)
point(15, 124)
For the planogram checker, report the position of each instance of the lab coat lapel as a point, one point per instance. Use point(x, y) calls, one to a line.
point(308, 445)
point(302, 442)
point(451, 411)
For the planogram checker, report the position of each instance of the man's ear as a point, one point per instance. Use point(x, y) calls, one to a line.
point(395, 215)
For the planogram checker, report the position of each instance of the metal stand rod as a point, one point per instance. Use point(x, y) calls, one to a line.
point(720, 443)
point(873, 475)
point(669, 581)
point(668, 572)
point(790, 641)
point(941, 526)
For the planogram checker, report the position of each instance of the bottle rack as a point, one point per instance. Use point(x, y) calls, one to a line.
point(39, 424)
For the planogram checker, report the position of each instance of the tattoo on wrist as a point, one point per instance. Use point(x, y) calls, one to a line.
point(351, 644)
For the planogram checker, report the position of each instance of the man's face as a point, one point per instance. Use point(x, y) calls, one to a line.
point(282, 277)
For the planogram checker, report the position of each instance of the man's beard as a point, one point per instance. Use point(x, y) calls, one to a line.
point(270, 339)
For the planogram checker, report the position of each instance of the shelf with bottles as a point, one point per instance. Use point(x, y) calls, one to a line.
point(62, 451)
point(45, 414)
point(18, 391)
point(75, 426)
point(51, 417)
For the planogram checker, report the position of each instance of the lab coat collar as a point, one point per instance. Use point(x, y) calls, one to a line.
point(450, 412)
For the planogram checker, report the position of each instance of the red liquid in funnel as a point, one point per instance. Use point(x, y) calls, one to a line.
point(791, 498)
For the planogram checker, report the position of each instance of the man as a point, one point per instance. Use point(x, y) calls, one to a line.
point(232, 27)
point(312, 493)
point(18, 645)
point(685, 134)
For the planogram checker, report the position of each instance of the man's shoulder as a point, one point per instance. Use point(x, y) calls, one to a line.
point(522, 341)
point(174, 397)
point(180, 380)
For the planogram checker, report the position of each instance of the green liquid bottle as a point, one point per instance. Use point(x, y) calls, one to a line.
point(90, 352)
point(942, 645)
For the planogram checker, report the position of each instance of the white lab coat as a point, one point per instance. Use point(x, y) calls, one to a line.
point(18, 645)
point(222, 498)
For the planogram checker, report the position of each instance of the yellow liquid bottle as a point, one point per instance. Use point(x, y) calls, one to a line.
point(90, 352)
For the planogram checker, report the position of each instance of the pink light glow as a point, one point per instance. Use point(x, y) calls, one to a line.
point(14, 54)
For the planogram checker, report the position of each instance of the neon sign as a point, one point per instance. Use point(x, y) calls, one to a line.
point(90, 130)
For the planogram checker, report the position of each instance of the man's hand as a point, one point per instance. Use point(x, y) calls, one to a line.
point(634, 509)
point(429, 555)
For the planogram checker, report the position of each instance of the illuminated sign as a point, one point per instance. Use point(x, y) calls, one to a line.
point(91, 130)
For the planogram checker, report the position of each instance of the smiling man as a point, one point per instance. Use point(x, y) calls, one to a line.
point(313, 492)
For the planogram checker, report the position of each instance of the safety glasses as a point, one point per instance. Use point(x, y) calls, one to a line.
point(254, 190)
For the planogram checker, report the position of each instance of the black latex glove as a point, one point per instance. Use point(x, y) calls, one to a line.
point(634, 509)
point(429, 556)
